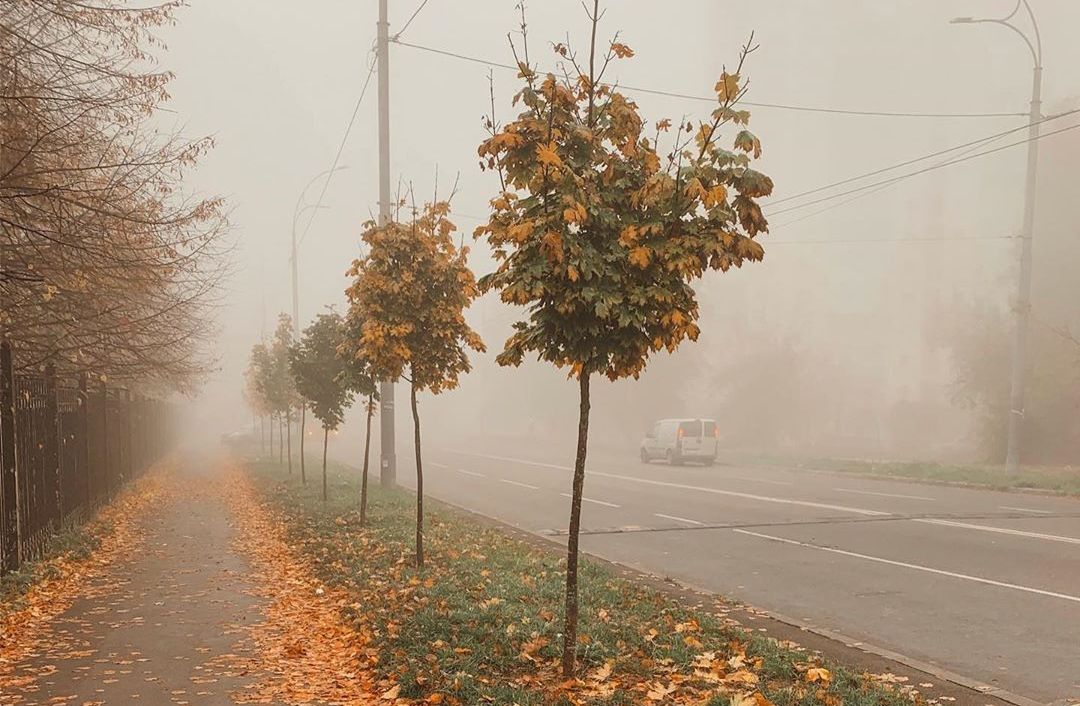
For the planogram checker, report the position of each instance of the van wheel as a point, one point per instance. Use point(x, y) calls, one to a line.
point(644, 456)
point(710, 462)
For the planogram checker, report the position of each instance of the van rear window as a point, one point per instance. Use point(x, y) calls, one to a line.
point(710, 428)
point(690, 428)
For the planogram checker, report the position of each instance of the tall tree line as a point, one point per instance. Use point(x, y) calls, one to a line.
point(107, 263)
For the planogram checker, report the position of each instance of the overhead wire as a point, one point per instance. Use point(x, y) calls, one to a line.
point(918, 172)
point(687, 96)
point(352, 121)
point(909, 162)
point(341, 148)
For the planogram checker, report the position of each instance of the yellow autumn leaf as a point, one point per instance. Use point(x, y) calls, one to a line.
point(548, 156)
point(572, 273)
point(818, 675)
point(727, 88)
point(629, 236)
point(716, 195)
point(640, 256)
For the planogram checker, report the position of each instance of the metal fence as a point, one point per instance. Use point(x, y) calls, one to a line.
point(66, 446)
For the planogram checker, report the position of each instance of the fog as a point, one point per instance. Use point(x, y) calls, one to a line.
point(877, 325)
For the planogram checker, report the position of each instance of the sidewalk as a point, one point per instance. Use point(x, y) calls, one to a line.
point(145, 629)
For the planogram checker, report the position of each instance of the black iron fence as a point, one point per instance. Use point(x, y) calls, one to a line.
point(66, 446)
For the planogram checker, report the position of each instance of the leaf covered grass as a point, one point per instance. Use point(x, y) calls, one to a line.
point(481, 623)
point(73, 542)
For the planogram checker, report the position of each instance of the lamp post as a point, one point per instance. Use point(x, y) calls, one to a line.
point(1018, 377)
point(300, 209)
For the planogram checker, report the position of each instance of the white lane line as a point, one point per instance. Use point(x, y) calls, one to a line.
point(471, 473)
point(678, 519)
point(1002, 530)
point(1025, 509)
point(522, 485)
point(747, 496)
point(516, 460)
point(437, 465)
point(916, 567)
point(759, 480)
point(885, 495)
point(590, 500)
point(717, 491)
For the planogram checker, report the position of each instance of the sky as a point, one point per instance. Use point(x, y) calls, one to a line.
point(276, 82)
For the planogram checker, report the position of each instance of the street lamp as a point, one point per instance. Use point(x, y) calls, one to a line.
point(1018, 378)
point(300, 209)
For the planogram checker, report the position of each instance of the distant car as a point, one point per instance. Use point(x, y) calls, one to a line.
point(680, 440)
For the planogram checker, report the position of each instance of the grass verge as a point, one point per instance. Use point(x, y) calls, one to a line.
point(1059, 480)
point(75, 541)
point(480, 624)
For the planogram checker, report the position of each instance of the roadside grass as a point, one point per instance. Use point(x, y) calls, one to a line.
point(72, 542)
point(1060, 480)
point(480, 624)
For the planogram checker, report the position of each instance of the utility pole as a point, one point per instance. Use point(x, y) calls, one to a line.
point(1018, 381)
point(1018, 376)
point(388, 459)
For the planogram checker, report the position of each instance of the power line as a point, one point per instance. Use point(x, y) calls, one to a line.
point(980, 141)
point(409, 21)
point(341, 148)
point(826, 209)
point(931, 168)
point(687, 96)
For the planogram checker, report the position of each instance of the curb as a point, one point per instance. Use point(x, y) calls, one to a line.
point(831, 643)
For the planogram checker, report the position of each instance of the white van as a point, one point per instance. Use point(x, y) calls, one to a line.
point(679, 440)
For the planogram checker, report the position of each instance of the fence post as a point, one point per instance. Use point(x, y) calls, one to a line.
point(52, 447)
point(9, 522)
point(84, 439)
point(128, 465)
point(106, 473)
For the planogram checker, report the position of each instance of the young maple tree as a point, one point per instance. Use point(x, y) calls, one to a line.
point(257, 387)
point(282, 390)
point(319, 375)
point(408, 297)
point(599, 231)
point(361, 379)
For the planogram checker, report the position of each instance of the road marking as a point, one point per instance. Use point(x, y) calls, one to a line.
point(759, 480)
point(717, 491)
point(1002, 530)
point(747, 496)
point(885, 495)
point(916, 567)
point(516, 460)
point(523, 485)
point(471, 473)
point(437, 465)
point(590, 500)
point(1025, 509)
point(677, 519)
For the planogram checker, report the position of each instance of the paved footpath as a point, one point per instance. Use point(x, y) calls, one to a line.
point(146, 630)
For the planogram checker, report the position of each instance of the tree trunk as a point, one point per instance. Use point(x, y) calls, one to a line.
point(571, 624)
point(303, 426)
point(419, 482)
point(367, 450)
point(280, 443)
point(262, 435)
point(288, 436)
point(325, 436)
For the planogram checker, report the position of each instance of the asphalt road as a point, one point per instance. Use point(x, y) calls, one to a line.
point(983, 584)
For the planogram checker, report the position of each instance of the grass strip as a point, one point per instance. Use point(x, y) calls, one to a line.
point(480, 624)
